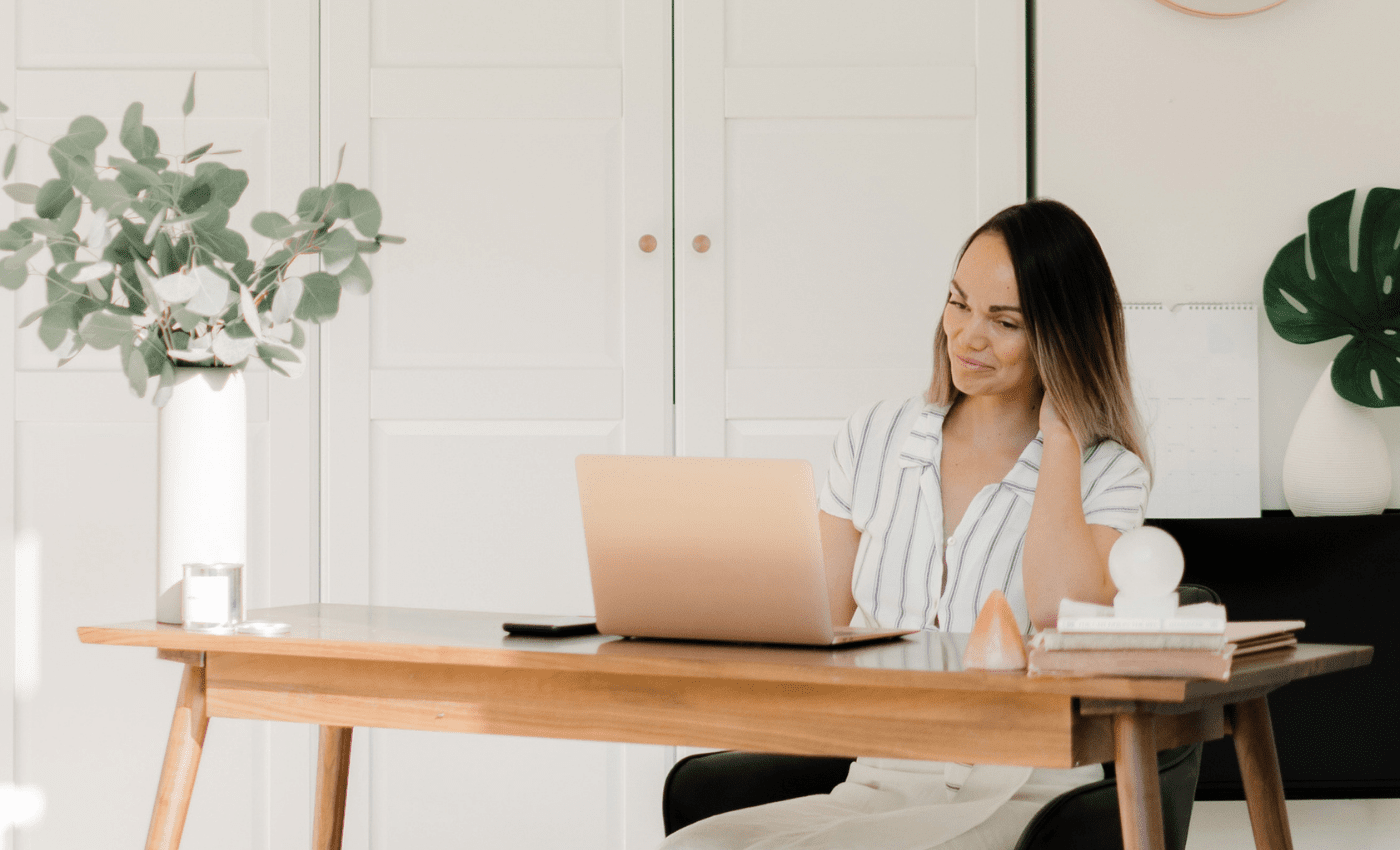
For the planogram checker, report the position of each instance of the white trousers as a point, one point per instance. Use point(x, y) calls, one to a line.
point(892, 804)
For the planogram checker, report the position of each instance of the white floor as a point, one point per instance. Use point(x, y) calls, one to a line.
point(1316, 824)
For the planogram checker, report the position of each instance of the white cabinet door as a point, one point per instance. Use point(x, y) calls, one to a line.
point(835, 154)
point(86, 725)
point(524, 151)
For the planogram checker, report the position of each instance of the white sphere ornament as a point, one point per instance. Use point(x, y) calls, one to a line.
point(1146, 565)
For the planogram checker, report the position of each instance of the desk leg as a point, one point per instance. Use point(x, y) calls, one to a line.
point(1139, 791)
point(182, 752)
point(332, 779)
point(1263, 783)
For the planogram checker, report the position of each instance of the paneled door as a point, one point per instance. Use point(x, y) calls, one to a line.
point(85, 729)
point(831, 156)
point(524, 150)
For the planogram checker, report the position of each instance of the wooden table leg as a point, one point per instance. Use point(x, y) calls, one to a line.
point(182, 752)
point(332, 780)
point(1139, 790)
point(1263, 782)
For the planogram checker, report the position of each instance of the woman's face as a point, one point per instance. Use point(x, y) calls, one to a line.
point(988, 346)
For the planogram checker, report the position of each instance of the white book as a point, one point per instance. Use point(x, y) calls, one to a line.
point(1201, 618)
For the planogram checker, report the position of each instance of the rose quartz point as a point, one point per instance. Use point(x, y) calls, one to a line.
point(995, 642)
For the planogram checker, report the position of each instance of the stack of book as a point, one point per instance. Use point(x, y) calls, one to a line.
point(1198, 643)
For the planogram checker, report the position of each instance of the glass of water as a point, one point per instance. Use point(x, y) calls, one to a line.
point(213, 597)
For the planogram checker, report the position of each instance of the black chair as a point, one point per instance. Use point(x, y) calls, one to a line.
point(1084, 818)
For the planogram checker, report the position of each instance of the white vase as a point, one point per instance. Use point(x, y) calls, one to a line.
point(203, 495)
point(1336, 463)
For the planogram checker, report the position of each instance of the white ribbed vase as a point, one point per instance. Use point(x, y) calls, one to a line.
point(203, 496)
point(1336, 463)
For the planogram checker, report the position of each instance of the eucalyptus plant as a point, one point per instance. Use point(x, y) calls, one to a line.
point(1336, 280)
point(140, 256)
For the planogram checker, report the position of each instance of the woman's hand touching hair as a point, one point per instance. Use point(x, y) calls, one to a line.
point(1053, 426)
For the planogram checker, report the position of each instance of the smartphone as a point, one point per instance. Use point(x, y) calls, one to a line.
point(567, 629)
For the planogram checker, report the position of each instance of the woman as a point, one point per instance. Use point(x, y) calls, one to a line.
point(1017, 471)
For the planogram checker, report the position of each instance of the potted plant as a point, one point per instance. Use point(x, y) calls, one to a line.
point(1342, 279)
point(136, 254)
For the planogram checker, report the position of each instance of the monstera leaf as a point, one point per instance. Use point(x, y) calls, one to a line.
point(1331, 282)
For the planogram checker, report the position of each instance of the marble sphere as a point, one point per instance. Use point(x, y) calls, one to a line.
point(1146, 561)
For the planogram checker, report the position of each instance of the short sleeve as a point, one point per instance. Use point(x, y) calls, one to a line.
point(1115, 485)
point(838, 494)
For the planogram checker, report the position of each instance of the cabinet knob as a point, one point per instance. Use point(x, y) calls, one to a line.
point(701, 244)
point(647, 243)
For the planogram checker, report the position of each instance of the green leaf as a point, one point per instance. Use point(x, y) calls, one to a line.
point(166, 386)
point(33, 317)
point(212, 292)
point(13, 278)
point(43, 227)
point(272, 225)
point(132, 134)
point(284, 360)
point(108, 195)
point(249, 310)
point(11, 239)
point(233, 350)
point(25, 193)
point(10, 161)
point(338, 250)
point(93, 271)
point(103, 330)
point(385, 239)
point(1312, 292)
point(310, 203)
point(4, 108)
point(340, 199)
point(62, 252)
point(152, 349)
point(184, 318)
point(188, 106)
point(58, 321)
point(180, 252)
point(298, 335)
point(85, 133)
point(18, 259)
point(215, 217)
point(228, 245)
point(131, 122)
point(286, 299)
point(365, 213)
point(176, 288)
point(68, 218)
point(136, 172)
point(356, 278)
point(195, 197)
point(228, 183)
point(132, 240)
point(53, 197)
point(137, 373)
point(196, 153)
point(320, 299)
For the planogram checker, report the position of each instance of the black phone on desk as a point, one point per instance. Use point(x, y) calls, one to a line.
point(560, 628)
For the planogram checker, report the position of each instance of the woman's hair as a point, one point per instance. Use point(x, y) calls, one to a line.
point(1073, 317)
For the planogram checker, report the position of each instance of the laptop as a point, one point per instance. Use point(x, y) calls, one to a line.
point(715, 549)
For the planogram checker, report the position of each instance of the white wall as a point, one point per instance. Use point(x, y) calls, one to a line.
point(1195, 149)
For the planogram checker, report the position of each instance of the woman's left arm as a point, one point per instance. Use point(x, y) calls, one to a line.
point(1065, 556)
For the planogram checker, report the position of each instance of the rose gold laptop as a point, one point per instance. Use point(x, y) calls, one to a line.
point(721, 549)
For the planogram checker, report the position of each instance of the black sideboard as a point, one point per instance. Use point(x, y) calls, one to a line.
point(1337, 735)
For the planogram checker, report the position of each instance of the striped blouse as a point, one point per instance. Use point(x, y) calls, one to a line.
point(884, 477)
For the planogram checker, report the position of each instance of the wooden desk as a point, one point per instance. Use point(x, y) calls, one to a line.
point(346, 665)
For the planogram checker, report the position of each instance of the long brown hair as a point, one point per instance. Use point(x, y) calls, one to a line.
point(1074, 319)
